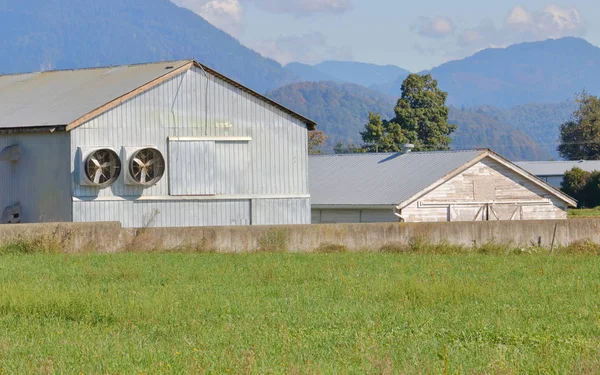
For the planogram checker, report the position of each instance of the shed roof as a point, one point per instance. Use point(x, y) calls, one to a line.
point(392, 179)
point(379, 179)
point(67, 98)
point(558, 168)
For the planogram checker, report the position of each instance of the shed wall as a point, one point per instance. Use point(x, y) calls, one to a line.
point(272, 165)
point(486, 191)
point(39, 181)
point(333, 216)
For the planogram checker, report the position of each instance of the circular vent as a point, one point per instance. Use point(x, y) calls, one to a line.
point(147, 166)
point(103, 167)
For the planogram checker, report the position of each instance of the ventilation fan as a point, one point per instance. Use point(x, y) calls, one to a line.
point(102, 167)
point(146, 166)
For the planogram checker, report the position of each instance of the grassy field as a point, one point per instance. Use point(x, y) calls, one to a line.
point(587, 212)
point(292, 313)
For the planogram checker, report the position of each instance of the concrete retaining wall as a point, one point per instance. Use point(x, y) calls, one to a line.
point(111, 237)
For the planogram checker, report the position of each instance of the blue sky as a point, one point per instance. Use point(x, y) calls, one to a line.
point(415, 35)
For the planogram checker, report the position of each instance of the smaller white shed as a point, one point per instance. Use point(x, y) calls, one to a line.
point(472, 185)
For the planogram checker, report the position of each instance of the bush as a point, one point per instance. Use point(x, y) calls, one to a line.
point(583, 186)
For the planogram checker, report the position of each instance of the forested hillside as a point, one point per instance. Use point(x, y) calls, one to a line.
point(540, 121)
point(478, 130)
point(342, 110)
point(43, 34)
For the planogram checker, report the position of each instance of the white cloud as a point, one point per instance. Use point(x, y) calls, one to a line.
point(308, 48)
point(437, 28)
point(519, 25)
point(227, 15)
point(303, 7)
point(224, 14)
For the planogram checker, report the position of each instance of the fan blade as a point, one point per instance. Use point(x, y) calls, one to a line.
point(143, 177)
point(98, 175)
point(139, 162)
point(150, 162)
point(96, 162)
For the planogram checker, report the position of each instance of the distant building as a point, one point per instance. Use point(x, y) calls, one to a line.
point(553, 171)
point(168, 144)
point(476, 185)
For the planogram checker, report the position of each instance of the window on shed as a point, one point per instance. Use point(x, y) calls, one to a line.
point(192, 168)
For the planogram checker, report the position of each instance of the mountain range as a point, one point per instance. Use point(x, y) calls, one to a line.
point(342, 110)
point(67, 34)
point(491, 92)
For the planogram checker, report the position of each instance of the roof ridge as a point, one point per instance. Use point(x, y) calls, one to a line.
point(184, 61)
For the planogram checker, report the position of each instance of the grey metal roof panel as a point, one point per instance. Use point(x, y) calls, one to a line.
point(558, 168)
point(62, 96)
point(379, 179)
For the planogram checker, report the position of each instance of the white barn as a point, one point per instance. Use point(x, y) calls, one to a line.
point(170, 144)
point(477, 185)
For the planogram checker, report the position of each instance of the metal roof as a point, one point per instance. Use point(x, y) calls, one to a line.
point(379, 179)
point(557, 168)
point(59, 98)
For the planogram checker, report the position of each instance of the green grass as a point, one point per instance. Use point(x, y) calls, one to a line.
point(587, 212)
point(292, 313)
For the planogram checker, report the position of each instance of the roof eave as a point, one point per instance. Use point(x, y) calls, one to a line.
point(310, 124)
point(34, 129)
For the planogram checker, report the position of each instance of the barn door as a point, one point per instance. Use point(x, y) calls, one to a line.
point(468, 213)
point(504, 212)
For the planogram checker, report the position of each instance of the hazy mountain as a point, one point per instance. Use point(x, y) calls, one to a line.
point(540, 121)
point(342, 110)
point(309, 73)
point(348, 71)
point(57, 34)
point(538, 72)
point(476, 130)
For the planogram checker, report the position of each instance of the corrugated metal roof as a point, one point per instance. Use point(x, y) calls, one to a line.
point(379, 179)
point(60, 97)
point(557, 168)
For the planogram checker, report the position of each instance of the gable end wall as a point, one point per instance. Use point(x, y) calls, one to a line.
point(249, 175)
point(487, 183)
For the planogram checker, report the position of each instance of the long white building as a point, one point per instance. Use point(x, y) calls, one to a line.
point(168, 144)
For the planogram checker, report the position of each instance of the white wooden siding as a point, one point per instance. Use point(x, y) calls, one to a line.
point(39, 181)
point(486, 191)
point(272, 164)
point(192, 168)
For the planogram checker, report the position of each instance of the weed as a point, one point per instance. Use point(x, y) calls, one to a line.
point(273, 241)
point(329, 248)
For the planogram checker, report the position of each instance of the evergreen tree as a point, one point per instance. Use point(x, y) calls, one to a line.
point(421, 118)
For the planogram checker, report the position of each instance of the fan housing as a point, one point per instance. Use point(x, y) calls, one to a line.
point(101, 168)
point(146, 166)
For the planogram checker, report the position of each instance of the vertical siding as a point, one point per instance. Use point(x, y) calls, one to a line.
point(39, 181)
point(192, 168)
point(273, 163)
point(276, 211)
point(138, 214)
